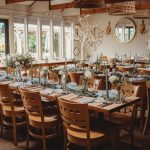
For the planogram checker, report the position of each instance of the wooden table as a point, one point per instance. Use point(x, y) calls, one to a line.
point(144, 71)
point(109, 108)
point(48, 64)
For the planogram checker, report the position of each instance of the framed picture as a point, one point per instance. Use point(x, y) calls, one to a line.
point(76, 51)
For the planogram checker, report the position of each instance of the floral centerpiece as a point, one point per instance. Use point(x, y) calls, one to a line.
point(19, 61)
point(23, 60)
point(116, 84)
point(45, 73)
point(63, 73)
point(86, 77)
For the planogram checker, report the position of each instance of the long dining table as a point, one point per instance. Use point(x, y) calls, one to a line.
point(50, 94)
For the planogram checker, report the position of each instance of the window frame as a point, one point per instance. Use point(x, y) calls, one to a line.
point(6, 22)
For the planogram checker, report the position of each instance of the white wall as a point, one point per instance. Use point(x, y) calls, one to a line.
point(110, 45)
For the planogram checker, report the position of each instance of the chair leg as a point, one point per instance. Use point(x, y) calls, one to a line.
point(132, 136)
point(1, 124)
point(142, 114)
point(28, 137)
point(132, 130)
point(44, 143)
point(65, 140)
point(146, 122)
point(44, 138)
point(14, 130)
point(115, 140)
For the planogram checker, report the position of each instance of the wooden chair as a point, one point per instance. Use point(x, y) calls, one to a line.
point(144, 72)
point(148, 107)
point(120, 120)
point(102, 81)
point(37, 119)
point(123, 69)
point(34, 72)
point(141, 106)
point(93, 84)
point(54, 76)
point(75, 119)
point(10, 109)
point(75, 77)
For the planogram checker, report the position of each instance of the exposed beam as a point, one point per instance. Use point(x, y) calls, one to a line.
point(62, 6)
point(17, 1)
point(141, 5)
point(14, 1)
point(32, 3)
point(92, 11)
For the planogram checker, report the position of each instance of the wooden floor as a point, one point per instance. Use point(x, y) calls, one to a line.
point(141, 143)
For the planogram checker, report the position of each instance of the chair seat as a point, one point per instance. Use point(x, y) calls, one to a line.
point(119, 119)
point(93, 134)
point(46, 118)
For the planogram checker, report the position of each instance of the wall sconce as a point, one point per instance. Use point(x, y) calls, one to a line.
point(108, 29)
point(142, 27)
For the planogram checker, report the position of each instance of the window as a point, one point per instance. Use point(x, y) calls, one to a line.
point(57, 39)
point(32, 37)
point(46, 45)
point(28, 35)
point(4, 38)
point(68, 40)
point(19, 35)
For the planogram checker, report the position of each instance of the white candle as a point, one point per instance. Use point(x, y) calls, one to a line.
point(107, 91)
point(39, 75)
point(6, 64)
point(31, 71)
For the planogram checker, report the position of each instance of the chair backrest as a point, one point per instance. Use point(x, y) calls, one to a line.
point(53, 76)
point(94, 83)
point(75, 77)
point(102, 79)
point(129, 89)
point(5, 94)
point(34, 72)
point(142, 91)
point(32, 103)
point(75, 116)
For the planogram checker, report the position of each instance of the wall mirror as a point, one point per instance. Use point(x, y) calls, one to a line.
point(125, 30)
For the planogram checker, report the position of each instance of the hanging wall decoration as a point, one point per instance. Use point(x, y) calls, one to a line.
point(108, 29)
point(142, 27)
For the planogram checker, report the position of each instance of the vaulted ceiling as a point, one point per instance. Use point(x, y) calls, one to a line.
point(86, 6)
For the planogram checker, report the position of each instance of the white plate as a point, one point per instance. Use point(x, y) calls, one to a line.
point(86, 100)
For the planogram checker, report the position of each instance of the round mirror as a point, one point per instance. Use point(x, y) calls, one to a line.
point(125, 30)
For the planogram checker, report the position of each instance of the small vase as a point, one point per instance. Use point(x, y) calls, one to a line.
point(85, 88)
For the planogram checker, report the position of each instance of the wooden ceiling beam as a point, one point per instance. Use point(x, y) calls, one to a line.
point(17, 1)
point(92, 11)
point(145, 5)
point(62, 6)
point(14, 1)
